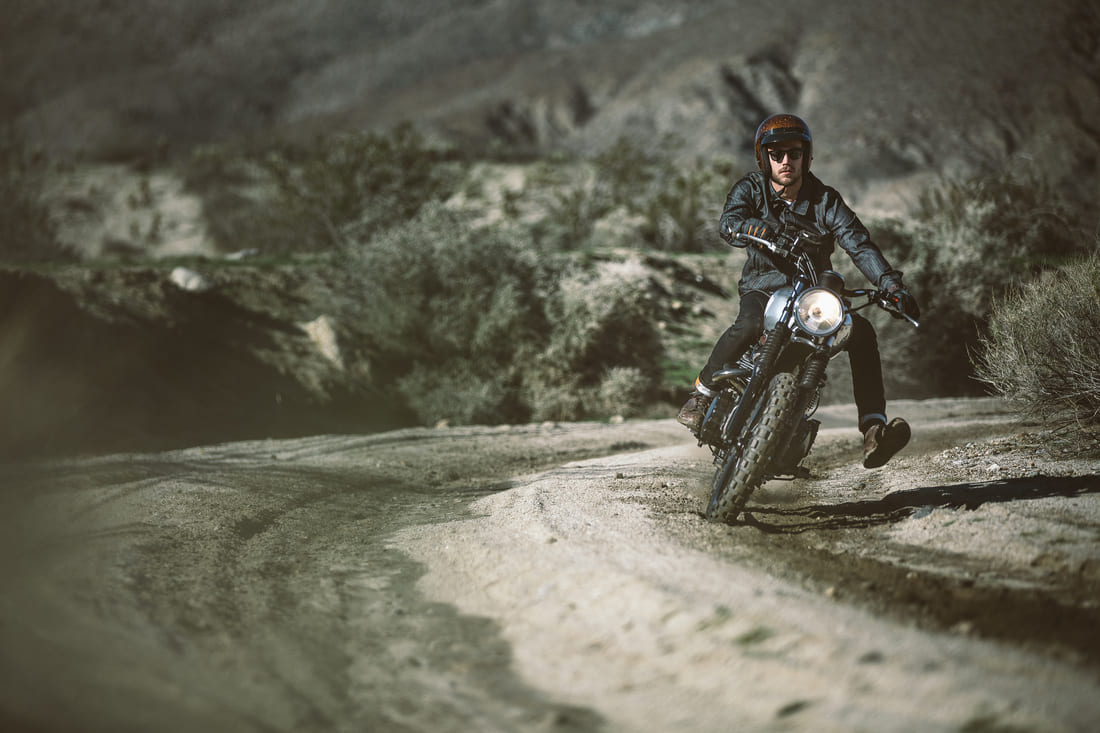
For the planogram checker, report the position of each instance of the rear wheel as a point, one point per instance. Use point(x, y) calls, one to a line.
point(739, 475)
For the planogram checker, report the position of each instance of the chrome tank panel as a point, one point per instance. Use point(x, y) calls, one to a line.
point(775, 306)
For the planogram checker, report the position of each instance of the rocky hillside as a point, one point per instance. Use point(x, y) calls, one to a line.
point(146, 358)
point(894, 93)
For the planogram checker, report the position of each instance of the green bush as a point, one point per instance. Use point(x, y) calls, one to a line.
point(603, 318)
point(1042, 348)
point(469, 325)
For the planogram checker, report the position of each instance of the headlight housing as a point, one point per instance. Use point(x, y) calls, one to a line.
point(819, 312)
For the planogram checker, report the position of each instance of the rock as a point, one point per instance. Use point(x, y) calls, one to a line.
point(189, 280)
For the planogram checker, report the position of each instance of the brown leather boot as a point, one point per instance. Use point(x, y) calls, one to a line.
point(694, 410)
point(881, 442)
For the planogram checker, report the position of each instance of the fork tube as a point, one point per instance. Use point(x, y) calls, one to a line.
point(776, 340)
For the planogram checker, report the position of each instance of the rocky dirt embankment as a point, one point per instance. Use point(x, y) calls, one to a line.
point(107, 359)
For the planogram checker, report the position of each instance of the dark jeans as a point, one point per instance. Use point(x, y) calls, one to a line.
point(862, 352)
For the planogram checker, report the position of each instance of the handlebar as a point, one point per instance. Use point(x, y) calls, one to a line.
point(878, 297)
point(790, 249)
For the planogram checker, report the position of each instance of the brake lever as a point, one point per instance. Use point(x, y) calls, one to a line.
point(764, 244)
point(889, 307)
point(750, 239)
point(877, 297)
point(909, 318)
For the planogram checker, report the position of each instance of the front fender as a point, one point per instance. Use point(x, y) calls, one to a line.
point(793, 356)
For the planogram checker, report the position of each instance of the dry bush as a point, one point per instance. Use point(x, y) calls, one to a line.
point(624, 390)
point(971, 239)
point(1042, 349)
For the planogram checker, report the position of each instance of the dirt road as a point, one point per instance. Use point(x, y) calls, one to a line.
point(556, 577)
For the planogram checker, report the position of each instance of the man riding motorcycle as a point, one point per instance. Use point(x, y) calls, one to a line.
point(760, 204)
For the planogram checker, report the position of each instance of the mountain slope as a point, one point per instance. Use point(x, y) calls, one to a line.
point(892, 93)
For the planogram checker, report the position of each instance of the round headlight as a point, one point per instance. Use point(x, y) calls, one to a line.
point(819, 312)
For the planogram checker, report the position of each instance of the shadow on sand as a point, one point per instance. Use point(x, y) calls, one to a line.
point(903, 504)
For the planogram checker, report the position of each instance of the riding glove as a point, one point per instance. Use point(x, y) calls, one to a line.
point(761, 228)
point(904, 300)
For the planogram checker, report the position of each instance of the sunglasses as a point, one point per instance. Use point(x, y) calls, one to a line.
point(779, 155)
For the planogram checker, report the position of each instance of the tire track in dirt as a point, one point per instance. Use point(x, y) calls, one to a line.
point(616, 595)
point(836, 534)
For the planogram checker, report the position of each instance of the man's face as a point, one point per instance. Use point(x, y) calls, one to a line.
point(787, 170)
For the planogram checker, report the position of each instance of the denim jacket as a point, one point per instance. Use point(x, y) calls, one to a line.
point(753, 201)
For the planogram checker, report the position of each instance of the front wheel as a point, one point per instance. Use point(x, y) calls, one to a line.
point(739, 475)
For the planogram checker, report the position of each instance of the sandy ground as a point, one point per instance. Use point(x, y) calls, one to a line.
point(616, 596)
point(556, 577)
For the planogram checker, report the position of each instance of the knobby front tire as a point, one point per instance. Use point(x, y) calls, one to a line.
point(738, 476)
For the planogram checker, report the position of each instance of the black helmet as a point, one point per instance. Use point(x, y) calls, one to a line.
point(779, 128)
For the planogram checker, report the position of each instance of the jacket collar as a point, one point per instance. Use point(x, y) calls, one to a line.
point(806, 193)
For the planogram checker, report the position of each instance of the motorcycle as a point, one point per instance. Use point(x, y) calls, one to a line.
point(760, 425)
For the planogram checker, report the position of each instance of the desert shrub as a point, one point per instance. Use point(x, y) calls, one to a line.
point(677, 202)
point(350, 186)
point(236, 196)
point(603, 318)
point(681, 216)
point(595, 308)
point(570, 217)
point(321, 196)
point(470, 326)
point(986, 232)
point(624, 391)
point(449, 305)
point(1042, 347)
point(666, 204)
point(626, 171)
point(27, 232)
point(970, 239)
